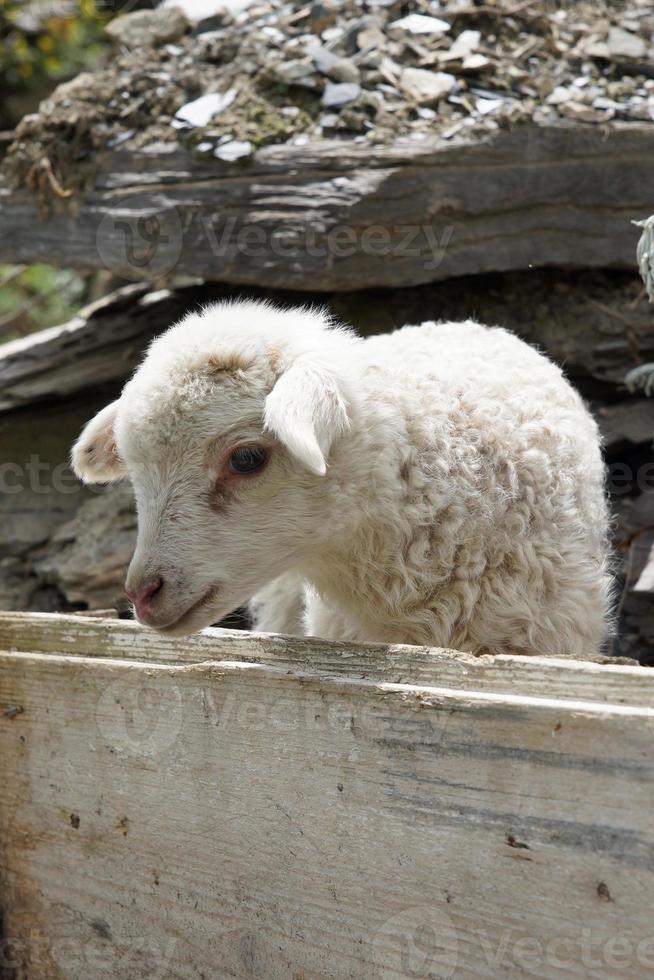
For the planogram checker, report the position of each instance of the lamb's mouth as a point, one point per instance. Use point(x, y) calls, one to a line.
point(205, 600)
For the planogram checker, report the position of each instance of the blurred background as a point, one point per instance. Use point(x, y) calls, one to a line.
point(43, 43)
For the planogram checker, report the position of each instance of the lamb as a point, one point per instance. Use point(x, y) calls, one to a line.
point(442, 484)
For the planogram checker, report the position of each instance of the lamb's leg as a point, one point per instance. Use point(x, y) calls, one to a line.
point(322, 619)
point(279, 607)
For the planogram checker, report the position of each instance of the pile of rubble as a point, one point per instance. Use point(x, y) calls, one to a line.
point(264, 71)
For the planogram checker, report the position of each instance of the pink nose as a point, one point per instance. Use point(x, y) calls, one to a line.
point(143, 595)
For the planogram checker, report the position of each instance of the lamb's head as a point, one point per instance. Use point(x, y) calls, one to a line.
point(225, 432)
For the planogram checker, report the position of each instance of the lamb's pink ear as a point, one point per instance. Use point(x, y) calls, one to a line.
point(94, 456)
point(306, 411)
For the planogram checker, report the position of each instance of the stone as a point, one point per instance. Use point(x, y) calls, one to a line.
point(87, 556)
point(147, 28)
point(201, 111)
point(322, 16)
point(233, 150)
point(559, 95)
point(426, 86)
point(290, 72)
point(463, 46)
point(475, 62)
point(624, 44)
point(324, 59)
point(335, 67)
point(201, 12)
point(337, 94)
point(371, 38)
point(583, 113)
point(420, 24)
point(486, 106)
point(344, 71)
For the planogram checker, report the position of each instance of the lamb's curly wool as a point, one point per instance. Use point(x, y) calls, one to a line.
point(478, 485)
point(442, 484)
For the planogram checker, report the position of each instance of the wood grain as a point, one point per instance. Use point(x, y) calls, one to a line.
point(345, 216)
point(280, 809)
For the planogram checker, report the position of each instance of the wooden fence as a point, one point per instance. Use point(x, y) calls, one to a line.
point(239, 805)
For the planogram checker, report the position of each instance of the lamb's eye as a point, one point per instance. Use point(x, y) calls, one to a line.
point(248, 459)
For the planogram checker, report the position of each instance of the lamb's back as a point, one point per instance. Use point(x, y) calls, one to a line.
point(469, 358)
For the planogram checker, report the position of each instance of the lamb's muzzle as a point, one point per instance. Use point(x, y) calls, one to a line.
point(442, 484)
point(142, 594)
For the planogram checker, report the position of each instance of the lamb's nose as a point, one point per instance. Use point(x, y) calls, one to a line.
point(143, 595)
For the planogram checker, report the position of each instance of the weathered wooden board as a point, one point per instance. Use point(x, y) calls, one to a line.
point(345, 216)
point(280, 809)
point(608, 680)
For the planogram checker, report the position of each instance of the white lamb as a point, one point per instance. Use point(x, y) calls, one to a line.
point(442, 484)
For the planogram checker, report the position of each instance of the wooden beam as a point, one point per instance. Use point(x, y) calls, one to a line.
point(611, 680)
point(262, 817)
point(343, 216)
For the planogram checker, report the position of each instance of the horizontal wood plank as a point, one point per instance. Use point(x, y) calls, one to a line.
point(605, 680)
point(242, 806)
point(341, 216)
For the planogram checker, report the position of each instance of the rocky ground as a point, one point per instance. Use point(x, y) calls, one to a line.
point(371, 72)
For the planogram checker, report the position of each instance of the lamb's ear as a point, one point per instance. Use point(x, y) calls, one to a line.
point(306, 411)
point(94, 456)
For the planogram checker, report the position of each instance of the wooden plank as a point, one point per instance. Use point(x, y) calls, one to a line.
point(608, 681)
point(342, 216)
point(234, 818)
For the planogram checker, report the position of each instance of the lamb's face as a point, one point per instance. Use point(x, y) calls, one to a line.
point(223, 507)
point(228, 466)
